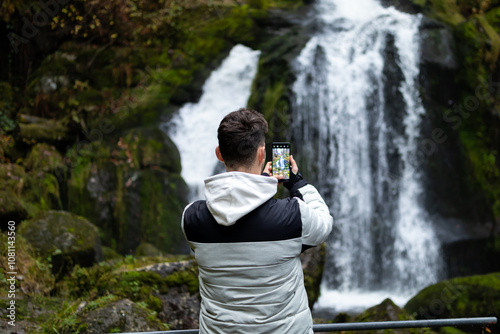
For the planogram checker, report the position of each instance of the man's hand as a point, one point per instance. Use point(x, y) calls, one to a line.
point(295, 168)
point(268, 169)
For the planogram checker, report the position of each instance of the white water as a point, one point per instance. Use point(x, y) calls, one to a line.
point(194, 127)
point(359, 155)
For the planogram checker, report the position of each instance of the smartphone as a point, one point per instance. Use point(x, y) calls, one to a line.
point(281, 160)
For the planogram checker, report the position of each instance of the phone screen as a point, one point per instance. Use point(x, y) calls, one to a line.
point(281, 159)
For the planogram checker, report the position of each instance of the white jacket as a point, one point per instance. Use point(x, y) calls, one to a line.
point(247, 245)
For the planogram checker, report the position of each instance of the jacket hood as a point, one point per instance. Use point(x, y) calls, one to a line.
point(232, 195)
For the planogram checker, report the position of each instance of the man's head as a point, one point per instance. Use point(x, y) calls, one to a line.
point(242, 135)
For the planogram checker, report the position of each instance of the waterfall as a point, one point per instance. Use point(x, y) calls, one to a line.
point(193, 128)
point(356, 120)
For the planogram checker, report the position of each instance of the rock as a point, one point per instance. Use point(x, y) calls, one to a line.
point(67, 238)
point(109, 254)
point(23, 194)
point(168, 268)
point(44, 157)
point(147, 249)
point(47, 130)
point(34, 277)
point(313, 263)
point(471, 296)
point(149, 147)
point(133, 191)
point(387, 311)
point(180, 309)
point(437, 44)
point(180, 305)
point(170, 289)
point(119, 316)
point(472, 257)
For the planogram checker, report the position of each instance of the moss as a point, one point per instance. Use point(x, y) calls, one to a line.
point(493, 17)
point(472, 296)
point(64, 238)
point(147, 249)
point(313, 262)
point(450, 330)
point(387, 311)
point(26, 194)
point(447, 11)
point(37, 279)
point(44, 157)
point(49, 131)
point(7, 119)
point(109, 254)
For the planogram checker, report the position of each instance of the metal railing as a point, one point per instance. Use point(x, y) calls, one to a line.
point(359, 326)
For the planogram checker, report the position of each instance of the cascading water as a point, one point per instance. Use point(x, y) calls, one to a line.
point(194, 127)
point(356, 121)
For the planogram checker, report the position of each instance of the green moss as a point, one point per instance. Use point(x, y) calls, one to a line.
point(493, 17)
point(7, 122)
point(473, 296)
point(36, 272)
point(313, 272)
point(387, 311)
point(447, 11)
point(25, 194)
point(44, 157)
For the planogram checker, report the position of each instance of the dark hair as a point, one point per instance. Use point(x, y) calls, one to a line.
point(240, 134)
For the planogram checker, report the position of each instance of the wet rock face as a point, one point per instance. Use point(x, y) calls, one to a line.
point(133, 190)
point(68, 239)
point(313, 263)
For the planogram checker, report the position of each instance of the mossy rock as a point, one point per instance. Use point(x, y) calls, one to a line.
point(44, 157)
point(34, 276)
point(313, 263)
point(170, 289)
point(149, 147)
point(23, 195)
point(120, 316)
point(64, 237)
point(471, 296)
point(49, 131)
point(388, 311)
point(107, 314)
point(132, 190)
point(147, 249)
point(109, 254)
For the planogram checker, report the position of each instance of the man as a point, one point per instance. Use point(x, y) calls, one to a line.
point(247, 243)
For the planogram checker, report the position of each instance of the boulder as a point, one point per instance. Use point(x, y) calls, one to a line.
point(385, 311)
point(24, 194)
point(147, 249)
point(471, 296)
point(44, 157)
point(117, 317)
point(37, 129)
point(170, 289)
point(66, 238)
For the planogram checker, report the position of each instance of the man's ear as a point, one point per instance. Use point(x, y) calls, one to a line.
point(261, 154)
point(217, 153)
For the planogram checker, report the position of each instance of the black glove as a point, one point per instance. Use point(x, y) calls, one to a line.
point(295, 182)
